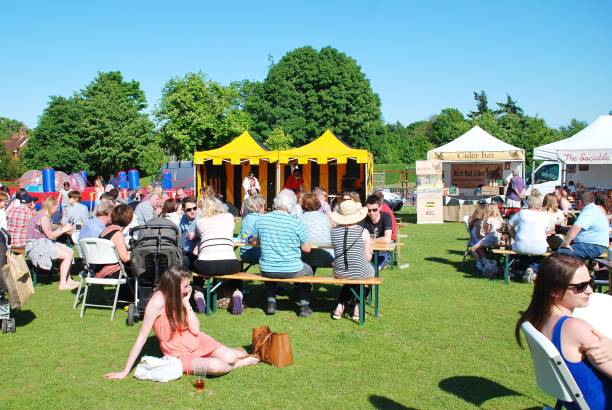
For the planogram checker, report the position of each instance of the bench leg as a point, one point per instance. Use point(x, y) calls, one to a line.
point(208, 310)
point(376, 300)
point(506, 270)
point(361, 307)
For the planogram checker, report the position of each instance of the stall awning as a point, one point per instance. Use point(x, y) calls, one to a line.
point(476, 145)
point(592, 145)
point(325, 148)
point(241, 148)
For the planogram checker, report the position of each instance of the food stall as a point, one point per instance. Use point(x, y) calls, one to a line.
point(476, 166)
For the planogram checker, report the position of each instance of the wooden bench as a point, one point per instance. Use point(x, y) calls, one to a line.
point(507, 253)
point(213, 283)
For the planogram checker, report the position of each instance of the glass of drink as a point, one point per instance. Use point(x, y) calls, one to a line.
point(199, 380)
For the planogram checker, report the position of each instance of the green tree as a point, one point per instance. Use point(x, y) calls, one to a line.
point(56, 140)
point(482, 105)
point(8, 127)
point(447, 126)
point(509, 107)
point(196, 113)
point(574, 127)
point(278, 140)
point(11, 168)
point(308, 91)
point(100, 129)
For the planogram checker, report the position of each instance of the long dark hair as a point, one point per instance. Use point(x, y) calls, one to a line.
point(169, 207)
point(554, 276)
point(170, 286)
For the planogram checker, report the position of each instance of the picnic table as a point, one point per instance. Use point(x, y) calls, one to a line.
point(608, 264)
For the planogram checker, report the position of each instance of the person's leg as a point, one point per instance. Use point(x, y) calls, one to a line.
point(304, 289)
point(383, 259)
point(65, 255)
point(587, 251)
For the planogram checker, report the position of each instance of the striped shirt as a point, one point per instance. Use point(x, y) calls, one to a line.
point(280, 237)
point(350, 262)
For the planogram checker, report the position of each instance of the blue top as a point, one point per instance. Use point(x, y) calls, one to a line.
point(595, 386)
point(281, 236)
point(247, 228)
point(594, 226)
point(92, 229)
point(76, 213)
point(186, 226)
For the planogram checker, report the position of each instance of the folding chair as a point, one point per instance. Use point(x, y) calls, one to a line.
point(466, 222)
point(86, 268)
point(552, 373)
point(98, 251)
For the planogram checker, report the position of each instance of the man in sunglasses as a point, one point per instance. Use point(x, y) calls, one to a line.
point(187, 227)
point(379, 225)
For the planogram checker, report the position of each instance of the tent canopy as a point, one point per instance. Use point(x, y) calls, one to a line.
point(325, 148)
point(476, 145)
point(592, 145)
point(243, 147)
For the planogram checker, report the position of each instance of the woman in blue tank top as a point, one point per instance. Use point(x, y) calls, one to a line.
point(563, 283)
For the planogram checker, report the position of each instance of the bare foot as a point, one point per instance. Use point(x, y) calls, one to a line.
point(247, 361)
point(242, 353)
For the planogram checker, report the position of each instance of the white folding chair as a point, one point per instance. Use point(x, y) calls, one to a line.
point(98, 251)
point(84, 272)
point(552, 373)
point(466, 222)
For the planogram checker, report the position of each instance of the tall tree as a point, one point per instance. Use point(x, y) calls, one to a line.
point(308, 91)
point(278, 140)
point(482, 105)
point(8, 127)
point(100, 129)
point(571, 129)
point(197, 113)
point(448, 125)
point(509, 107)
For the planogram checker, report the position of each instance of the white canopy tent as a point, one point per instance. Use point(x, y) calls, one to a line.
point(478, 147)
point(592, 145)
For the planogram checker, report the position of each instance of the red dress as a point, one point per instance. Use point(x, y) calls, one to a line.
point(183, 344)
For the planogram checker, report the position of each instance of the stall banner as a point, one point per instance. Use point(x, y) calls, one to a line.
point(472, 175)
point(471, 156)
point(429, 208)
point(429, 176)
point(587, 156)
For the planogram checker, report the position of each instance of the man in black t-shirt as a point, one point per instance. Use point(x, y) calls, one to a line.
point(378, 224)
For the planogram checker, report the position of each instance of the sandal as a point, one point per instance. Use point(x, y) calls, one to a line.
point(338, 312)
point(355, 316)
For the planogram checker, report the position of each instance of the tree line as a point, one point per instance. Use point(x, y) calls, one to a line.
point(105, 127)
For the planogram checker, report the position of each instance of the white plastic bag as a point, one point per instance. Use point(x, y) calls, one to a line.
point(158, 369)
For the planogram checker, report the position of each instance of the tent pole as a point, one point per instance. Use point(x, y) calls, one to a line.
point(532, 172)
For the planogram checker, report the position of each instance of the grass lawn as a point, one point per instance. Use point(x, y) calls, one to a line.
point(444, 339)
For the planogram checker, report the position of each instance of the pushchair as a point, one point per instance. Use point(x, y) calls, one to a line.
point(7, 323)
point(155, 247)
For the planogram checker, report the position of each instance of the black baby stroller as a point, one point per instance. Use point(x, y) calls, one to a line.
point(155, 247)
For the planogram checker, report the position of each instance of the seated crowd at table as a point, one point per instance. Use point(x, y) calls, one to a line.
point(542, 225)
point(280, 241)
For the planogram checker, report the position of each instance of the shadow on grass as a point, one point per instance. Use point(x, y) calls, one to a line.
point(151, 348)
point(474, 389)
point(23, 317)
point(324, 298)
point(406, 218)
point(380, 402)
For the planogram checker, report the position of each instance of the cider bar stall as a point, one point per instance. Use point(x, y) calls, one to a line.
point(225, 168)
point(476, 166)
point(329, 163)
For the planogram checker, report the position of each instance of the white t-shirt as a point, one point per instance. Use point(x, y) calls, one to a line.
point(555, 219)
point(530, 227)
point(3, 219)
point(216, 237)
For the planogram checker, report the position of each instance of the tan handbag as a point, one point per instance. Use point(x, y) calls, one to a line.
point(17, 279)
point(272, 347)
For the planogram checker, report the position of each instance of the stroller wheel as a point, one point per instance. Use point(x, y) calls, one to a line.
point(4, 325)
point(10, 328)
point(131, 316)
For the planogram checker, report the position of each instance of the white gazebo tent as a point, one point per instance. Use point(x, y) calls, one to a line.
point(479, 147)
point(591, 146)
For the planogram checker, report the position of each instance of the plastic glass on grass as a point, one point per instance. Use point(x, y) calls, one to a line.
point(199, 380)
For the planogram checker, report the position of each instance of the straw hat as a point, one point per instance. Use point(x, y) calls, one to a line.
point(349, 213)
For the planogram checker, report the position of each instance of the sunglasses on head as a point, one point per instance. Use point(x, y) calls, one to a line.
point(580, 287)
point(191, 209)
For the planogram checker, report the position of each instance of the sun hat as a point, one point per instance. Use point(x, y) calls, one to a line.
point(349, 213)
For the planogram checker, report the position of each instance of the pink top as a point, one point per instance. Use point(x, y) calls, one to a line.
point(182, 343)
point(34, 231)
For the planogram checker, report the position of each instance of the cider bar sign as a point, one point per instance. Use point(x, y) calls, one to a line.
point(467, 156)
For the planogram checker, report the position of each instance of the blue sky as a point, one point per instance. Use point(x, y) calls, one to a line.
point(553, 57)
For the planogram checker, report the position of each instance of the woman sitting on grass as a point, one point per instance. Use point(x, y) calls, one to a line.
point(41, 246)
point(177, 328)
point(563, 284)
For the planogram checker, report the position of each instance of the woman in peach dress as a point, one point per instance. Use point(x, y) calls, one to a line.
point(177, 328)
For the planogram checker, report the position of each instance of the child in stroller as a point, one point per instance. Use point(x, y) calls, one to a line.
point(155, 247)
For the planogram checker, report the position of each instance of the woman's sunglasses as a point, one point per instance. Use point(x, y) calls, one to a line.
point(580, 287)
